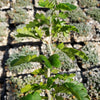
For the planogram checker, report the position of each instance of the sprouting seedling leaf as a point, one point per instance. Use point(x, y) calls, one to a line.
point(54, 60)
point(22, 59)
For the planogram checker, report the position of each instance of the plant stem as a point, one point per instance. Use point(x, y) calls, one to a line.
point(51, 52)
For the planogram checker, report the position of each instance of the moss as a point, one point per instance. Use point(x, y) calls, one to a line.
point(83, 28)
point(3, 3)
point(92, 54)
point(2, 31)
point(18, 15)
point(21, 3)
point(77, 15)
point(69, 1)
point(94, 13)
point(88, 3)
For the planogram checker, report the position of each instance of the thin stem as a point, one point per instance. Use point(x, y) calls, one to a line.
point(51, 52)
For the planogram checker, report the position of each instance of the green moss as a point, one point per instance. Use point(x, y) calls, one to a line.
point(88, 3)
point(77, 15)
point(69, 1)
point(2, 31)
point(83, 28)
point(21, 3)
point(3, 3)
point(18, 15)
point(91, 53)
point(94, 13)
point(3, 18)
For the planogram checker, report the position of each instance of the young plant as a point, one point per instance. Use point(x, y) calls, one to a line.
point(44, 28)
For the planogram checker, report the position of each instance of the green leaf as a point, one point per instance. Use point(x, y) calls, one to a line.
point(39, 32)
point(47, 3)
point(64, 76)
point(35, 96)
point(36, 71)
point(78, 90)
point(50, 82)
point(60, 89)
point(41, 19)
point(39, 71)
point(60, 46)
point(73, 7)
point(24, 32)
point(59, 98)
point(54, 60)
point(54, 71)
point(65, 6)
point(26, 88)
point(22, 59)
point(46, 29)
point(66, 28)
point(44, 60)
point(63, 15)
point(28, 97)
point(71, 52)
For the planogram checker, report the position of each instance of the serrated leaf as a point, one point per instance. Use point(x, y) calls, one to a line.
point(47, 3)
point(73, 7)
point(71, 52)
point(65, 6)
point(78, 90)
point(22, 59)
point(66, 28)
point(24, 32)
point(35, 96)
point(54, 60)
